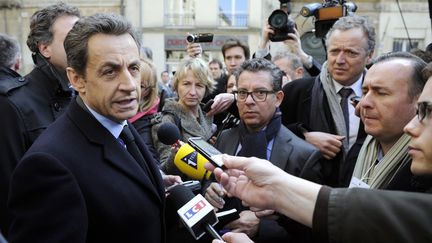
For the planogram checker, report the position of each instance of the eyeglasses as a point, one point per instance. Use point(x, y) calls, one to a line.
point(423, 110)
point(257, 95)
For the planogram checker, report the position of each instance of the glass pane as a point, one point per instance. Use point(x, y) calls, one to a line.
point(233, 13)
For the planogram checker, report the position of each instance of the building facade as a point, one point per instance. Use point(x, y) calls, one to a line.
point(165, 24)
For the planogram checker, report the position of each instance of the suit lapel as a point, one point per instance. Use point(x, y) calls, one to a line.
point(113, 152)
point(281, 150)
point(151, 163)
point(230, 141)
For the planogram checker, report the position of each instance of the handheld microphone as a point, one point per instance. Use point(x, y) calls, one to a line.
point(191, 163)
point(169, 134)
point(196, 213)
point(187, 159)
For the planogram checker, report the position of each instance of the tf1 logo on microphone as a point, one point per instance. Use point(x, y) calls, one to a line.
point(195, 209)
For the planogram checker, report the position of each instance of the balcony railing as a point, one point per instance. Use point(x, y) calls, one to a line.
point(184, 20)
point(233, 20)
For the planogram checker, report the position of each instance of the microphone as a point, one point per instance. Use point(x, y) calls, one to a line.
point(196, 213)
point(191, 163)
point(187, 159)
point(169, 134)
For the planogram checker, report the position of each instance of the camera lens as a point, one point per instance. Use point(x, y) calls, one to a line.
point(190, 38)
point(278, 19)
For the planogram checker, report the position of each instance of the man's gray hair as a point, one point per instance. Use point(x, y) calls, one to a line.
point(10, 50)
point(351, 22)
point(76, 41)
point(260, 64)
point(294, 59)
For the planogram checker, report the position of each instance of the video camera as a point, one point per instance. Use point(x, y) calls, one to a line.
point(199, 37)
point(327, 13)
point(281, 23)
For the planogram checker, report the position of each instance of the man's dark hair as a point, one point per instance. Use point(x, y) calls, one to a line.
point(425, 55)
point(76, 42)
point(165, 71)
point(146, 52)
point(417, 81)
point(234, 43)
point(216, 61)
point(10, 50)
point(41, 23)
point(261, 64)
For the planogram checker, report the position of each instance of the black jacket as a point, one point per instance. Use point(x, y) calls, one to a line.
point(78, 184)
point(28, 105)
point(7, 73)
point(362, 215)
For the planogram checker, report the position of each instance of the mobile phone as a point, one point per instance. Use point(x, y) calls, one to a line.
point(192, 184)
point(209, 152)
point(226, 217)
point(207, 106)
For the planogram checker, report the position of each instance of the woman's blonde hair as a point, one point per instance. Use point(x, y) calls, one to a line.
point(148, 73)
point(199, 68)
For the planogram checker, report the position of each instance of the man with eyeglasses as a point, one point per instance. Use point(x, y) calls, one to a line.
point(390, 91)
point(262, 135)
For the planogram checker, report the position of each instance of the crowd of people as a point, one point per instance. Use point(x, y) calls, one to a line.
point(331, 152)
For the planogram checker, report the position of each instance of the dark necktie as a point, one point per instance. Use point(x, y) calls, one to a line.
point(345, 93)
point(126, 138)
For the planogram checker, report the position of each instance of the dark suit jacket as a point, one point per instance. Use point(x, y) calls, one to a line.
point(296, 109)
point(290, 153)
point(78, 184)
point(293, 155)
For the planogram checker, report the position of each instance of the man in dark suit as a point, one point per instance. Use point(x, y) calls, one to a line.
point(318, 109)
point(261, 134)
point(83, 180)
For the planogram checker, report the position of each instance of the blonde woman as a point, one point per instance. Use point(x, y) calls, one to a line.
point(192, 81)
point(148, 106)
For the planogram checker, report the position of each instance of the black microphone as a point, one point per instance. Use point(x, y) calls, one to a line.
point(196, 213)
point(169, 134)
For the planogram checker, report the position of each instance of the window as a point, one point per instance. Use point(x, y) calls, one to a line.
point(402, 44)
point(179, 13)
point(233, 13)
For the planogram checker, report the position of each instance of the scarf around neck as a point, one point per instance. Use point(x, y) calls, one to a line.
point(379, 176)
point(255, 143)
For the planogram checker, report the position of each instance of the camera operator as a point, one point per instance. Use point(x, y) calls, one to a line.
point(280, 27)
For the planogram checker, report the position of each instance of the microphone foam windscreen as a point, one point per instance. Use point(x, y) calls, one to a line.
point(181, 195)
point(168, 133)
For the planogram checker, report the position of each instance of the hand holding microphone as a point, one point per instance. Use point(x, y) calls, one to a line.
point(197, 215)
